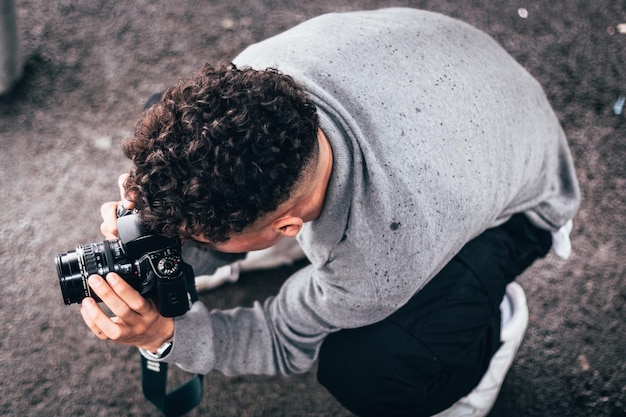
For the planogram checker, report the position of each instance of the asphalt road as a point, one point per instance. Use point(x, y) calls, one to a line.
point(88, 68)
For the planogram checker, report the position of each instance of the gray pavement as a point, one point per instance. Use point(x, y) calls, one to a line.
point(88, 68)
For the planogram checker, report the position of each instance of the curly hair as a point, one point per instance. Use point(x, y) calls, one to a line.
point(220, 150)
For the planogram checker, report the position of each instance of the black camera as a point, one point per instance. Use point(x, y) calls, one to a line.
point(150, 263)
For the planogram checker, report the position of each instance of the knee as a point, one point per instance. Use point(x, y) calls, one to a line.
point(356, 368)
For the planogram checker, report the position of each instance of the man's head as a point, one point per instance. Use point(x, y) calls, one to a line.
point(221, 150)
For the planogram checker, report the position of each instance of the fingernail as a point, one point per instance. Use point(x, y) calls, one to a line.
point(111, 278)
point(88, 302)
point(95, 280)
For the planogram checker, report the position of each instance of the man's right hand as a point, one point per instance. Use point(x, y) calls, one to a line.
point(108, 211)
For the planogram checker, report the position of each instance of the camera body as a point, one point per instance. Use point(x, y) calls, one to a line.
point(149, 262)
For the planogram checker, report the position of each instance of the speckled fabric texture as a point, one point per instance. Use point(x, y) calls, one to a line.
point(437, 135)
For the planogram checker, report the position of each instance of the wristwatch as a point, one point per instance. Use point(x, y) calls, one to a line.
point(163, 350)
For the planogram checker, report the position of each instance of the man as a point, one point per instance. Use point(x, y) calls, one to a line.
point(420, 168)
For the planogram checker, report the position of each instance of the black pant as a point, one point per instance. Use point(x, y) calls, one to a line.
point(436, 348)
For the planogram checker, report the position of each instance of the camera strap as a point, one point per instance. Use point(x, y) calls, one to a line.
point(175, 403)
point(154, 380)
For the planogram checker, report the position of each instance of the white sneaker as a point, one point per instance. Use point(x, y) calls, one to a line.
point(479, 402)
point(222, 275)
point(285, 252)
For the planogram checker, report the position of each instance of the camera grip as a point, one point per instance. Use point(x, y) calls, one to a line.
point(172, 297)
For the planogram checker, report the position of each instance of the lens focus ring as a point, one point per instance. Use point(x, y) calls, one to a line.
point(91, 263)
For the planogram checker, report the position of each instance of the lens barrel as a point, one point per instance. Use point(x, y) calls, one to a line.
point(74, 267)
point(71, 277)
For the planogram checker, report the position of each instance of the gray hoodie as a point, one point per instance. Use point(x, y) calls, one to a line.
point(437, 134)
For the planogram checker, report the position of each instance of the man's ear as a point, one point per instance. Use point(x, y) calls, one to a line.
point(288, 226)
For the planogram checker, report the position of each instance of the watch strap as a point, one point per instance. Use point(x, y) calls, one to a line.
point(162, 351)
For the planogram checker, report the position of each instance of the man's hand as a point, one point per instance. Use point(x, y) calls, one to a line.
point(137, 321)
point(109, 211)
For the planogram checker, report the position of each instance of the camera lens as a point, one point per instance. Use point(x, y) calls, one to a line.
point(74, 267)
point(73, 284)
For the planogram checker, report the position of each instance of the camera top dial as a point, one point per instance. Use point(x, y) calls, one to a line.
point(168, 265)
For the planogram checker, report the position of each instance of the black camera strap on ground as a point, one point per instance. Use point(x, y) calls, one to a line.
point(176, 403)
point(154, 380)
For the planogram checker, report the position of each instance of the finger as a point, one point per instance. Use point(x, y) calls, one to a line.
point(111, 329)
point(108, 211)
point(123, 300)
point(89, 310)
point(110, 297)
point(137, 303)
